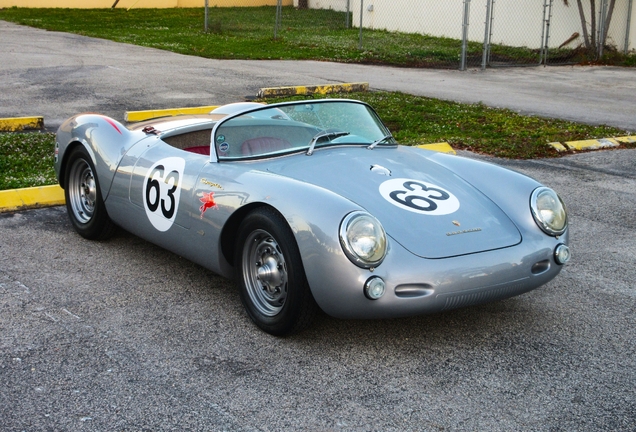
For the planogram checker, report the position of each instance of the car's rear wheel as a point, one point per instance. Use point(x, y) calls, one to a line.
point(84, 203)
point(270, 275)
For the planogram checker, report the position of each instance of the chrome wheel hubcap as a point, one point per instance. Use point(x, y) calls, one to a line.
point(265, 273)
point(82, 191)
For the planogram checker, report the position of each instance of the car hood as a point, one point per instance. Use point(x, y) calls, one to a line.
point(425, 207)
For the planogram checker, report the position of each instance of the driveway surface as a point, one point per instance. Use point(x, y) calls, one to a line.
point(121, 335)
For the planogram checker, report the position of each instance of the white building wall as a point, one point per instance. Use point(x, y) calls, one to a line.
point(618, 26)
point(632, 33)
point(338, 5)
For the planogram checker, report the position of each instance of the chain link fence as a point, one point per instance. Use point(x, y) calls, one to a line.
point(518, 32)
point(457, 34)
point(607, 30)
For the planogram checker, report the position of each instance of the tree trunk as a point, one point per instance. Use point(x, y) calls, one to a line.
point(586, 36)
point(608, 20)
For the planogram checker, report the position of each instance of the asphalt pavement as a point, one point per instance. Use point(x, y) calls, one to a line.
point(121, 335)
point(57, 75)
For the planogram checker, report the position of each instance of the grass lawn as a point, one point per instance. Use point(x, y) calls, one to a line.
point(248, 33)
point(26, 159)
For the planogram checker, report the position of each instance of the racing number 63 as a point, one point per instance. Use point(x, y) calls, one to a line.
point(152, 200)
point(162, 190)
point(419, 196)
point(409, 200)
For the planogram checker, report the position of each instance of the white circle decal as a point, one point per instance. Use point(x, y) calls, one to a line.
point(162, 189)
point(419, 197)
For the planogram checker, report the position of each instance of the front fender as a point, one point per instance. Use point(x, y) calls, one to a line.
point(313, 213)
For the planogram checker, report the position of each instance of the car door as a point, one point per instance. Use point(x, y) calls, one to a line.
point(159, 204)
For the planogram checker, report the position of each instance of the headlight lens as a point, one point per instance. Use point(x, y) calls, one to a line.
point(363, 239)
point(548, 211)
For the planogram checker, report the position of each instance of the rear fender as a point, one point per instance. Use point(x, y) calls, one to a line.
point(105, 139)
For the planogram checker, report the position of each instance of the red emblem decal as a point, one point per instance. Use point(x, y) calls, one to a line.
point(208, 202)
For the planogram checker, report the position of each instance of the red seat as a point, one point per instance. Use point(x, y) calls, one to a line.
point(262, 145)
point(204, 150)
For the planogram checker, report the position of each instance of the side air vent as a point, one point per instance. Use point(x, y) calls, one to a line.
point(415, 290)
point(540, 267)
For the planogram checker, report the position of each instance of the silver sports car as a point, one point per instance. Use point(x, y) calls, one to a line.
point(314, 205)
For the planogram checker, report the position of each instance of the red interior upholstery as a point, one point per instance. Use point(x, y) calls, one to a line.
point(261, 145)
point(204, 150)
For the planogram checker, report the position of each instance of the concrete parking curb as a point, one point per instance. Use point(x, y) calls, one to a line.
point(27, 198)
point(135, 116)
point(592, 144)
point(16, 124)
point(268, 92)
point(442, 147)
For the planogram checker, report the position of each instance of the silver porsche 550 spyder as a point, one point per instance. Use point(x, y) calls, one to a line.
point(314, 205)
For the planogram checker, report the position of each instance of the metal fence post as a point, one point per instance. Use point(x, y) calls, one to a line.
point(487, 35)
point(629, 24)
point(361, 12)
point(543, 44)
point(279, 13)
point(462, 65)
point(545, 32)
point(601, 27)
point(205, 25)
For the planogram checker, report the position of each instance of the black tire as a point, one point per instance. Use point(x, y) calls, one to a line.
point(270, 274)
point(84, 202)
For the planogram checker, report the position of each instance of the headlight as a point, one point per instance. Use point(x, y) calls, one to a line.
point(363, 239)
point(548, 211)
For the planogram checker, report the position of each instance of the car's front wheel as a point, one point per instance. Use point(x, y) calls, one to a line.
point(270, 275)
point(84, 203)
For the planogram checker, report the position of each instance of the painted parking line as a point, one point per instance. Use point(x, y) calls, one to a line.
point(135, 116)
point(27, 198)
point(442, 147)
point(268, 92)
point(16, 124)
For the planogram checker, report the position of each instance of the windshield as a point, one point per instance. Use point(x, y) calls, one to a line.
point(299, 127)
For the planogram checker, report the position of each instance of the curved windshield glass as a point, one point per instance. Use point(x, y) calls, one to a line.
point(299, 126)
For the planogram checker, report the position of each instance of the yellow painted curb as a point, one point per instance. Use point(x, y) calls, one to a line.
point(626, 139)
point(314, 89)
point(592, 144)
point(558, 146)
point(16, 124)
point(135, 116)
point(22, 199)
point(443, 147)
